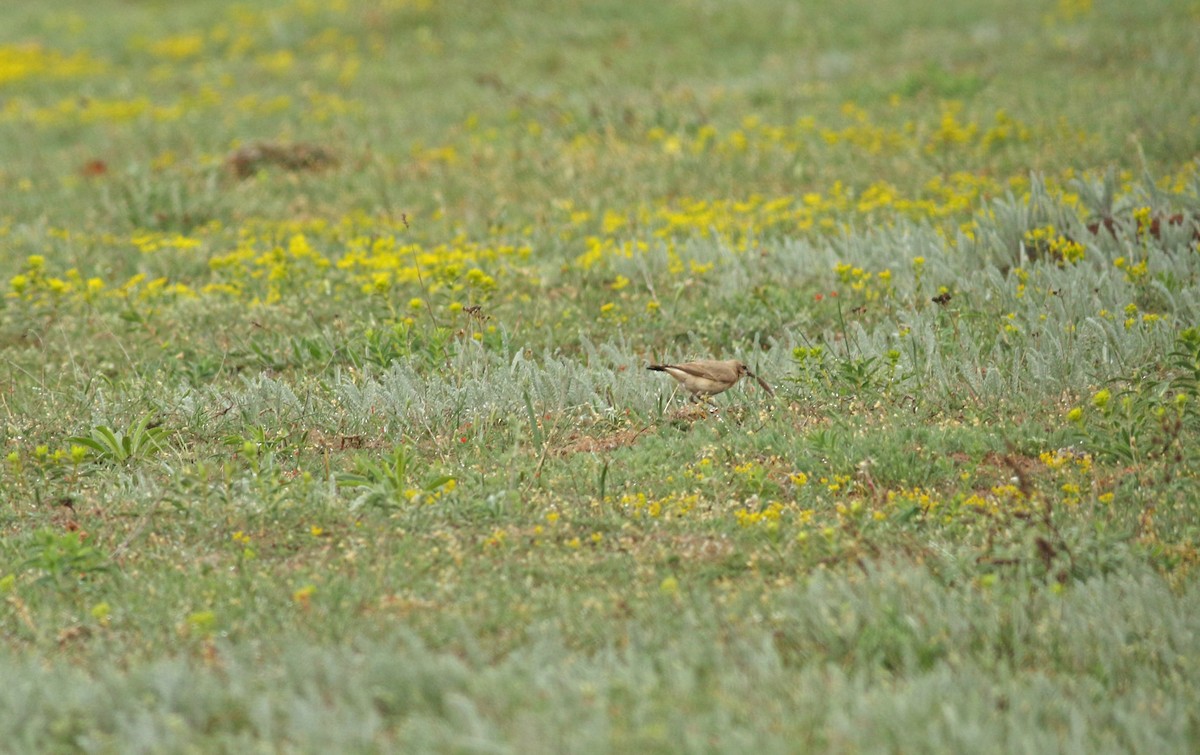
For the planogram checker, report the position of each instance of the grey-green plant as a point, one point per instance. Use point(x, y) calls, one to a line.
point(139, 441)
point(390, 483)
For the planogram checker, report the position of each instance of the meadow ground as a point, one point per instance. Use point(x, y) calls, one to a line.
point(325, 419)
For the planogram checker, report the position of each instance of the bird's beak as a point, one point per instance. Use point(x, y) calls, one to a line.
point(761, 382)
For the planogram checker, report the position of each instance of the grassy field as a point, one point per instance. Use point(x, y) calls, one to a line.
point(326, 427)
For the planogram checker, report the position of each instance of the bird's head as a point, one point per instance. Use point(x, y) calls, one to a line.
point(743, 371)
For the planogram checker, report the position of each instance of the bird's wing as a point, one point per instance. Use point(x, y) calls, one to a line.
point(706, 371)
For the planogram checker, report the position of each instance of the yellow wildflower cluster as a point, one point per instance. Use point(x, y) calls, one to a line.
point(430, 496)
point(1045, 240)
point(768, 517)
point(740, 223)
point(32, 61)
point(837, 483)
point(1134, 271)
point(35, 286)
point(1073, 473)
point(858, 133)
point(1133, 317)
point(751, 476)
point(699, 470)
point(1065, 458)
point(149, 242)
point(73, 110)
point(906, 498)
point(871, 286)
point(177, 47)
point(951, 131)
point(283, 259)
point(862, 133)
point(999, 499)
point(673, 506)
point(44, 458)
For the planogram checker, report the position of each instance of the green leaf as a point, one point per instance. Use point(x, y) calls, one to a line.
point(437, 482)
point(89, 443)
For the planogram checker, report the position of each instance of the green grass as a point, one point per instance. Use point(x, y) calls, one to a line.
point(326, 424)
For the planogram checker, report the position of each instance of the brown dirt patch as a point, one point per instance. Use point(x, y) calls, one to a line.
point(578, 443)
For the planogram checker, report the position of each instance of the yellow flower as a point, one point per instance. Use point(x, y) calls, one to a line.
point(1055, 459)
point(204, 621)
point(1142, 216)
point(178, 47)
point(302, 595)
point(1101, 398)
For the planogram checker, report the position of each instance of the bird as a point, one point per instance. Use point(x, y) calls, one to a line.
point(705, 378)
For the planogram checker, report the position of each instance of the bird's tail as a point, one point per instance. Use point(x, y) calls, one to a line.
point(657, 367)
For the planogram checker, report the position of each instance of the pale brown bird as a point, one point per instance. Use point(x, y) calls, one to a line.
point(708, 377)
